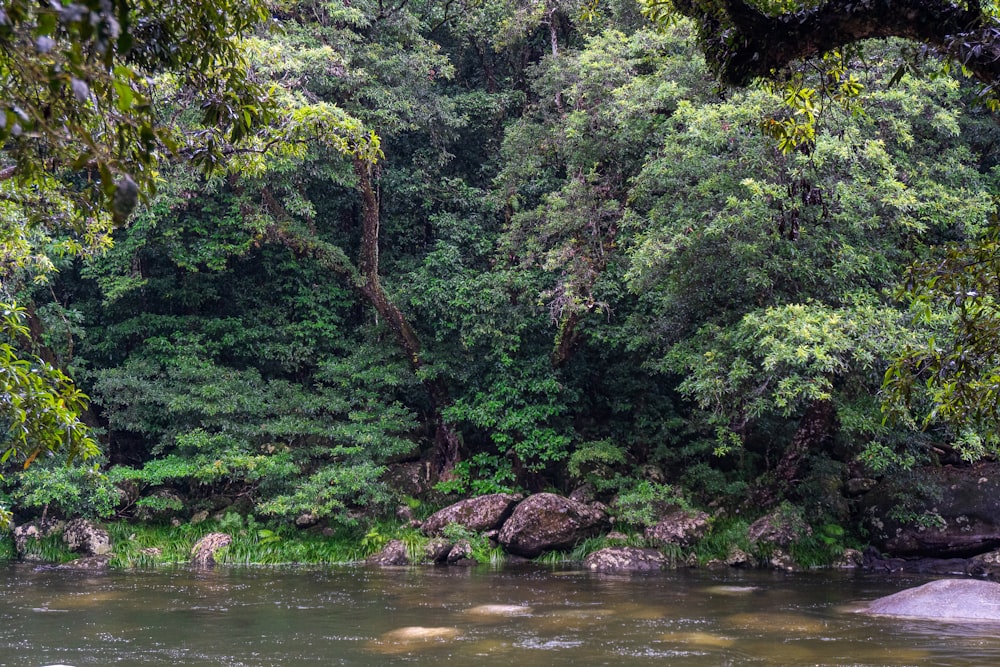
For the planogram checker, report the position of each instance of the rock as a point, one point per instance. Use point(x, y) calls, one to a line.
point(857, 486)
point(739, 558)
point(781, 527)
point(307, 520)
point(462, 550)
point(583, 494)
point(985, 565)
point(956, 513)
point(625, 559)
point(943, 600)
point(199, 517)
point(436, 550)
point(88, 563)
point(616, 536)
point(203, 551)
point(780, 560)
point(849, 560)
point(679, 527)
point(546, 521)
point(405, 640)
point(25, 534)
point(476, 514)
point(394, 553)
point(405, 513)
point(503, 610)
point(81, 536)
point(413, 479)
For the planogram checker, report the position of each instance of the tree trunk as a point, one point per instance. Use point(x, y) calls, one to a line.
point(447, 442)
point(816, 430)
point(365, 278)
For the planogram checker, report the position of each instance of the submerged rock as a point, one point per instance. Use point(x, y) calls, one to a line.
point(942, 600)
point(476, 514)
point(546, 521)
point(499, 610)
point(626, 559)
point(408, 639)
point(88, 563)
point(203, 551)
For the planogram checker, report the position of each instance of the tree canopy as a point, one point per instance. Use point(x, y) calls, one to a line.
point(746, 39)
point(527, 246)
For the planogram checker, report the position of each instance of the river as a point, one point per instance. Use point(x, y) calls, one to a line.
point(465, 616)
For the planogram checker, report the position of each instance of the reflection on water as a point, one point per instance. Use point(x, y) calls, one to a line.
point(425, 616)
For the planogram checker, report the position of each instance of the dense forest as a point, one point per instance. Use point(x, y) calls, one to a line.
point(265, 257)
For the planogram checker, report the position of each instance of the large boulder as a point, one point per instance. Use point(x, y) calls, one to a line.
point(477, 514)
point(82, 536)
point(625, 559)
point(952, 512)
point(203, 551)
point(679, 527)
point(943, 600)
point(545, 522)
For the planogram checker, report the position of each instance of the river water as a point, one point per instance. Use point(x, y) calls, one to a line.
point(465, 616)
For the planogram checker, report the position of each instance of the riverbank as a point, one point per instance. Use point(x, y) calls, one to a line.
point(725, 543)
point(510, 527)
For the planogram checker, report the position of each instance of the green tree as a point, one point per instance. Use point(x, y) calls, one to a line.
point(80, 141)
point(767, 275)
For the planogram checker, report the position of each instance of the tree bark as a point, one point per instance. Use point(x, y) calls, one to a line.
point(366, 279)
point(816, 430)
point(447, 443)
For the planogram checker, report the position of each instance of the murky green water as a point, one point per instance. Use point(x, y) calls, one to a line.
point(425, 616)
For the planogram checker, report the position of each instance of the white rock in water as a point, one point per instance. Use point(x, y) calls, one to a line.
point(419, 634)
point(499, 610)
point(943, 600)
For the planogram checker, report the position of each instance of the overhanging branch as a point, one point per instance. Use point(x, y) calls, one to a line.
point(743, 43)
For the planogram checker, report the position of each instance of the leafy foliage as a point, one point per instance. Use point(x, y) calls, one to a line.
point(39, 404)
point(532, 244)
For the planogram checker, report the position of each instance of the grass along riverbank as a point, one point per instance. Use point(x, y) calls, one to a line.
point(152, 545)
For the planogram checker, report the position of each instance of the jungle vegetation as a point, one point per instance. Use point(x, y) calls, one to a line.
point(255, 254)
